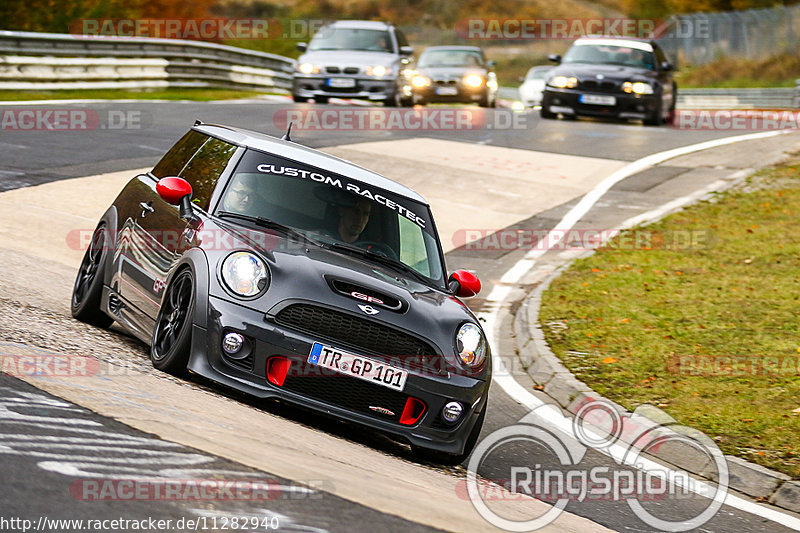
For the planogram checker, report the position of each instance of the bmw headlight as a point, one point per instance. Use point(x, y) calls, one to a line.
point(308, 68)
point(471, 345)
point(245, 274)
point(563, 82)
point(637, 87)
point(378, 71)
point(420, 81)
point(473, 80)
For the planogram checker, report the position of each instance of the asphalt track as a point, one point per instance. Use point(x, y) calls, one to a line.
point(38, 157)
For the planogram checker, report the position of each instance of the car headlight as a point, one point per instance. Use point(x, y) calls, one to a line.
point(420, 81)
point(308, 68)
point(473, 80)
point(563, 82)
point(471, 345)
point(378, 71)
point(245, 274)
point(637, 87)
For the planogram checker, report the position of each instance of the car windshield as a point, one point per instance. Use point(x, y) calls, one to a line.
point(537, 74)
point(335, 210)
point(332, 38)
point(451, 58)
point(609, 54)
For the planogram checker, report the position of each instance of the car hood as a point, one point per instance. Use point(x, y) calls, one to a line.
point(618, 73)
point(347, 58)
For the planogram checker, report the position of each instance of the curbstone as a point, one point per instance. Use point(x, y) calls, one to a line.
point(787, 496)
point(755, 480)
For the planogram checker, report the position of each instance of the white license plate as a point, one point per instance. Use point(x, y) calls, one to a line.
point(597, 99)
point(446, 91)
point(358, 367)
point(341, 83)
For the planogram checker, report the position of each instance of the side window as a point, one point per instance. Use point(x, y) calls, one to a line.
point(173, 161)
point(204, 169)
point(660, 57)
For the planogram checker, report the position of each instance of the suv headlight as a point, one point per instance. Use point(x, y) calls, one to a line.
point(563, 82)
point(378, 70)
point(308, 68)
point(470, 345)
point(637, 87)
point(245, 274)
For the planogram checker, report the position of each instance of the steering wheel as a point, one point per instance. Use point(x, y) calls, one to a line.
point(378, 248)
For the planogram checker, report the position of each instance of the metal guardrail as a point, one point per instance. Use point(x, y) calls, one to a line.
point(766, 98)
point(61, 61)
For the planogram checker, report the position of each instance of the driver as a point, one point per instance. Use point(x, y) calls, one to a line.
point(242, 196)
point(353, 220)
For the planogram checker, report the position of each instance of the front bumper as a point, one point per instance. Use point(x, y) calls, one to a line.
point(269, 340)
point(363, 88)
point(626, 106)
point(463, 93)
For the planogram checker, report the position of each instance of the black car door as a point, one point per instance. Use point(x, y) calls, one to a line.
point(157, 233)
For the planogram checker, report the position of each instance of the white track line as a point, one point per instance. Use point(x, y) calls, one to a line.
point(501, 290)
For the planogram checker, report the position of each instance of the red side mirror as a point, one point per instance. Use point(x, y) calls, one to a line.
point(172, 189)
point(464, 284)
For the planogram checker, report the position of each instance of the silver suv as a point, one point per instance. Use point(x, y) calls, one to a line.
point(355, 59)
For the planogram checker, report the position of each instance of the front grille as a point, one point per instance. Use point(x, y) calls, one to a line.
point(445, 83)
point(350, 393)
point(352, 331)
point(600, 86)
point(351, 70)
point(332, 70)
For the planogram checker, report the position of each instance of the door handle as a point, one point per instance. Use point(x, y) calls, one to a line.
point(146, 208)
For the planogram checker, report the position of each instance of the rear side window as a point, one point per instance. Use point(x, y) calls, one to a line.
point(401, 38)
point(204, 169)
point(173, 162)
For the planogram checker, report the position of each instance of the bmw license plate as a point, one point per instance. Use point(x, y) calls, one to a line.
point(358, 367)
point(342, 83)
point(446, 91)
point(597, 99)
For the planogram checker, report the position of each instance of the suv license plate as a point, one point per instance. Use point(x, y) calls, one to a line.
point(358, 367)
point(341, 83)
point(597, 99)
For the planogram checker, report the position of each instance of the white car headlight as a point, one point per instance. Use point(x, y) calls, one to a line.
point(308, 68)
point(473, 80)
point(378, 71)
point(245, 274)
point(471, 345)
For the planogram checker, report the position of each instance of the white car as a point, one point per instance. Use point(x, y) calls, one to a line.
point(530, 92)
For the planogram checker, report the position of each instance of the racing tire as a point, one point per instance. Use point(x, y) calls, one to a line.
point(321, 99)
point(172, 335)
point(656, 118)
point(671, 113)
point(452, 459)
point(299, 99)
point(88, 288)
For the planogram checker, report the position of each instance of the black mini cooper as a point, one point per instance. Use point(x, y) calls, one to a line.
point(286, 273)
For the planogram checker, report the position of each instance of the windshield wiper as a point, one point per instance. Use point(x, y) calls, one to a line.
point(268, 223)
point(382, 259)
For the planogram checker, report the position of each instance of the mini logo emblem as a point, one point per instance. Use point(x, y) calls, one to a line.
point(381, 410)
point(369, 309)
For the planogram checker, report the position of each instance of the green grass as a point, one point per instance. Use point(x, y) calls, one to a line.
point(776, 71)
point(118, 94)
point(620, 318)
